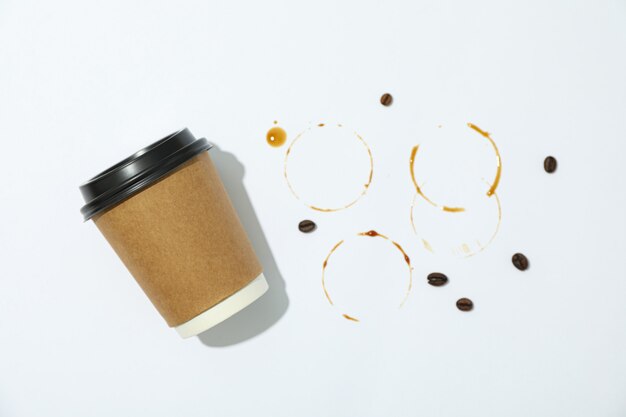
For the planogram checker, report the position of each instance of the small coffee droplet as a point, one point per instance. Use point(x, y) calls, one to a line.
point(307, 226)
point(437, 279)
point(347, 317)
point(520, 261)
point(386, 99)
point(276, 136)
point(464, 304)
point(549, 164)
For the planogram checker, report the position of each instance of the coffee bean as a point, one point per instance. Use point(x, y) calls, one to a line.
point(464, 304)
point(549, 164)
point(386, 99)
point(520, 261)
point(307, 226)
point(437, 279)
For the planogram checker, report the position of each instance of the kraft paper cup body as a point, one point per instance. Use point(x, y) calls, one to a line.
point(181, 239)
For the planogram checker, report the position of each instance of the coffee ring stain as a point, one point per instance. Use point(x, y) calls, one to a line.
point(329, 209)
point(369, 233)
point(492, 188)
point(463, 247)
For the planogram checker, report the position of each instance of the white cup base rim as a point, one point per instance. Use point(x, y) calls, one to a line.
point(225, 309)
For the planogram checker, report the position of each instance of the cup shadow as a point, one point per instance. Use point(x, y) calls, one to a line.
point(267, 310)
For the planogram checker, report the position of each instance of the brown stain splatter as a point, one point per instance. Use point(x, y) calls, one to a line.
point(327, 209)
point(276, 136)
point(408, 262)
point(453, 209)
point(369, 153)
point(496, 180)
point(350, 317)
point(419, 190)
point(324, 271)
point(406, 257)
point(324, 210)
point(372, 233)
point(411, 214)
point(427, 245)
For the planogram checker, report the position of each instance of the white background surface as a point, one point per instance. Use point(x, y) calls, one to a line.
point(83, 85)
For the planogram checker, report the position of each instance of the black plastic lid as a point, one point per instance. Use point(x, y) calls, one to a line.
point(139, 171)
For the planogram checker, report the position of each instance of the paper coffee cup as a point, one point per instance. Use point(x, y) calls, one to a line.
point(165, 212)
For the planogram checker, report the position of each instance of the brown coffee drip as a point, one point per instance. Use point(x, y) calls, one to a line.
point(276, 136)
point(324, 269)
point(347, 317)
point(406, 257)
point(329, 209)
point(496, 180)
point(370, 233)
point(374, 233)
